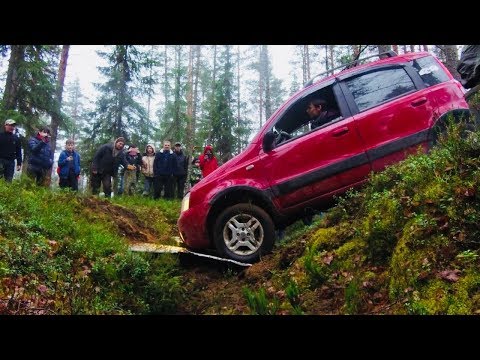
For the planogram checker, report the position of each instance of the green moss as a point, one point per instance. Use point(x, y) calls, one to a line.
point(405, 267)
point(325, 239)
point(352, 297)
point(381, 225)
point(350, 255)
point(315, 269)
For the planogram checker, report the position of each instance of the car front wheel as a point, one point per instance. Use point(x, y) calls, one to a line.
point(244, 232)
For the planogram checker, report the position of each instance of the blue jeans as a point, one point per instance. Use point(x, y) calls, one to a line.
point(147, 185)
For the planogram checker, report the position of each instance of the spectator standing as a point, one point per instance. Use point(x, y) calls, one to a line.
point(163, 166)
point(105, 164)
point(179, 171)
point(41, 156)
point(10, 149)
point(147, 169)
point(196, 173)
point(69, 164)
point(208, 161)
point(134, 161)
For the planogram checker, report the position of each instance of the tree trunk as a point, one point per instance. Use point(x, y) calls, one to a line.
point(239, 143)
point(327, 68)
point(267, 77)
point(165, 76)
point(176, 116)
point(214, 78)
point(195, 91)
point(55, 121)
point(306, 64)
point(190, 87)
point(451, 59)
point(425, 47)
point(383, 49)
point(214, 75)
point(122, 91)
point(356, 51)
point(149, 99)
point(260, 88)
point(331, 51)
point(11, 85)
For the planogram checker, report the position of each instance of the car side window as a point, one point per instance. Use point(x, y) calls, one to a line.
point(376, 87)
point(429, 70)
point(296, 120)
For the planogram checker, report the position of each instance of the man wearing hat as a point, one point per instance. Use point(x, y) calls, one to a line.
point(10, 149)
point(179, 171)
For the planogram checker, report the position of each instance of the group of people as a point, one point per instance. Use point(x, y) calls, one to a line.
point(164, 171)
point(40, 158)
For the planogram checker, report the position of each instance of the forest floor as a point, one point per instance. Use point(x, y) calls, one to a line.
point(213, 286)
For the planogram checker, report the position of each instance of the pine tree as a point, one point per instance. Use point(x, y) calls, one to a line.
point(222, 104)
point(30, 85)
point(117, 112)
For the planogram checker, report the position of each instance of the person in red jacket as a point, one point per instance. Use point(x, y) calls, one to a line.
point(208, 161)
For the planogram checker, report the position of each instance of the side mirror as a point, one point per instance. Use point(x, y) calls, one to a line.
point(268, 142)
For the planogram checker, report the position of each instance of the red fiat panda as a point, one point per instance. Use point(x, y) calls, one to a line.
point(385, 110)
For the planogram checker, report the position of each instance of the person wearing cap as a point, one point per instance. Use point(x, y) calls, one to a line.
point(134, 160)
point(10, 149)
point(105, 164)
point(40, 160)
point(179, 171)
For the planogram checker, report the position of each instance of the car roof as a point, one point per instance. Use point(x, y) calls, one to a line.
point(396, 59)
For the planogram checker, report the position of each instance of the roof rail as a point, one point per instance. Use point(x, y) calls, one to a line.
point(349, 65)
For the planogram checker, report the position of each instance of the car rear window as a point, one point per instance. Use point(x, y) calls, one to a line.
point(430, 71)
point(379, 86)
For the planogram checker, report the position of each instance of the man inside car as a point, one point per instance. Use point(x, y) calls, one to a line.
point(319, 113)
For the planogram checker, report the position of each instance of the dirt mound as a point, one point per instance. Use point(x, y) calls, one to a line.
point(128, 223)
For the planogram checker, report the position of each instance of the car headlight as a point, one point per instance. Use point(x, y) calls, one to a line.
point(185, 203)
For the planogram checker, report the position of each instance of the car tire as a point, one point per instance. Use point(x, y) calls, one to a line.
point(441, 128)
point(244, 232)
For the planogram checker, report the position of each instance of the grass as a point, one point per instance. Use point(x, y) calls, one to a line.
point(58, 256)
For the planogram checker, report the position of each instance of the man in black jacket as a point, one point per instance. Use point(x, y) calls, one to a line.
point(179, 171)
point(10, 149)
point(105, 165)
point(318, 112)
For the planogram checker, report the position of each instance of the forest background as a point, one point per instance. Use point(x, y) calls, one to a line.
point(195, 94)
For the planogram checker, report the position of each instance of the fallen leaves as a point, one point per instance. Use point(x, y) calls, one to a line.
point(449, 275)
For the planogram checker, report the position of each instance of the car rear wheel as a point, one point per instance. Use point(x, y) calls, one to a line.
point(468, 125)
point(244, 232)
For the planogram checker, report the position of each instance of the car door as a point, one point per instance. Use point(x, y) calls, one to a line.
point(317, 163)
point(392, 116)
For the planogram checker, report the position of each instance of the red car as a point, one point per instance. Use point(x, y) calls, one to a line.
point(382, 111)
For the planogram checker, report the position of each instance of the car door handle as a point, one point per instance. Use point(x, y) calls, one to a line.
point(419, 102)
point(341, 131)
